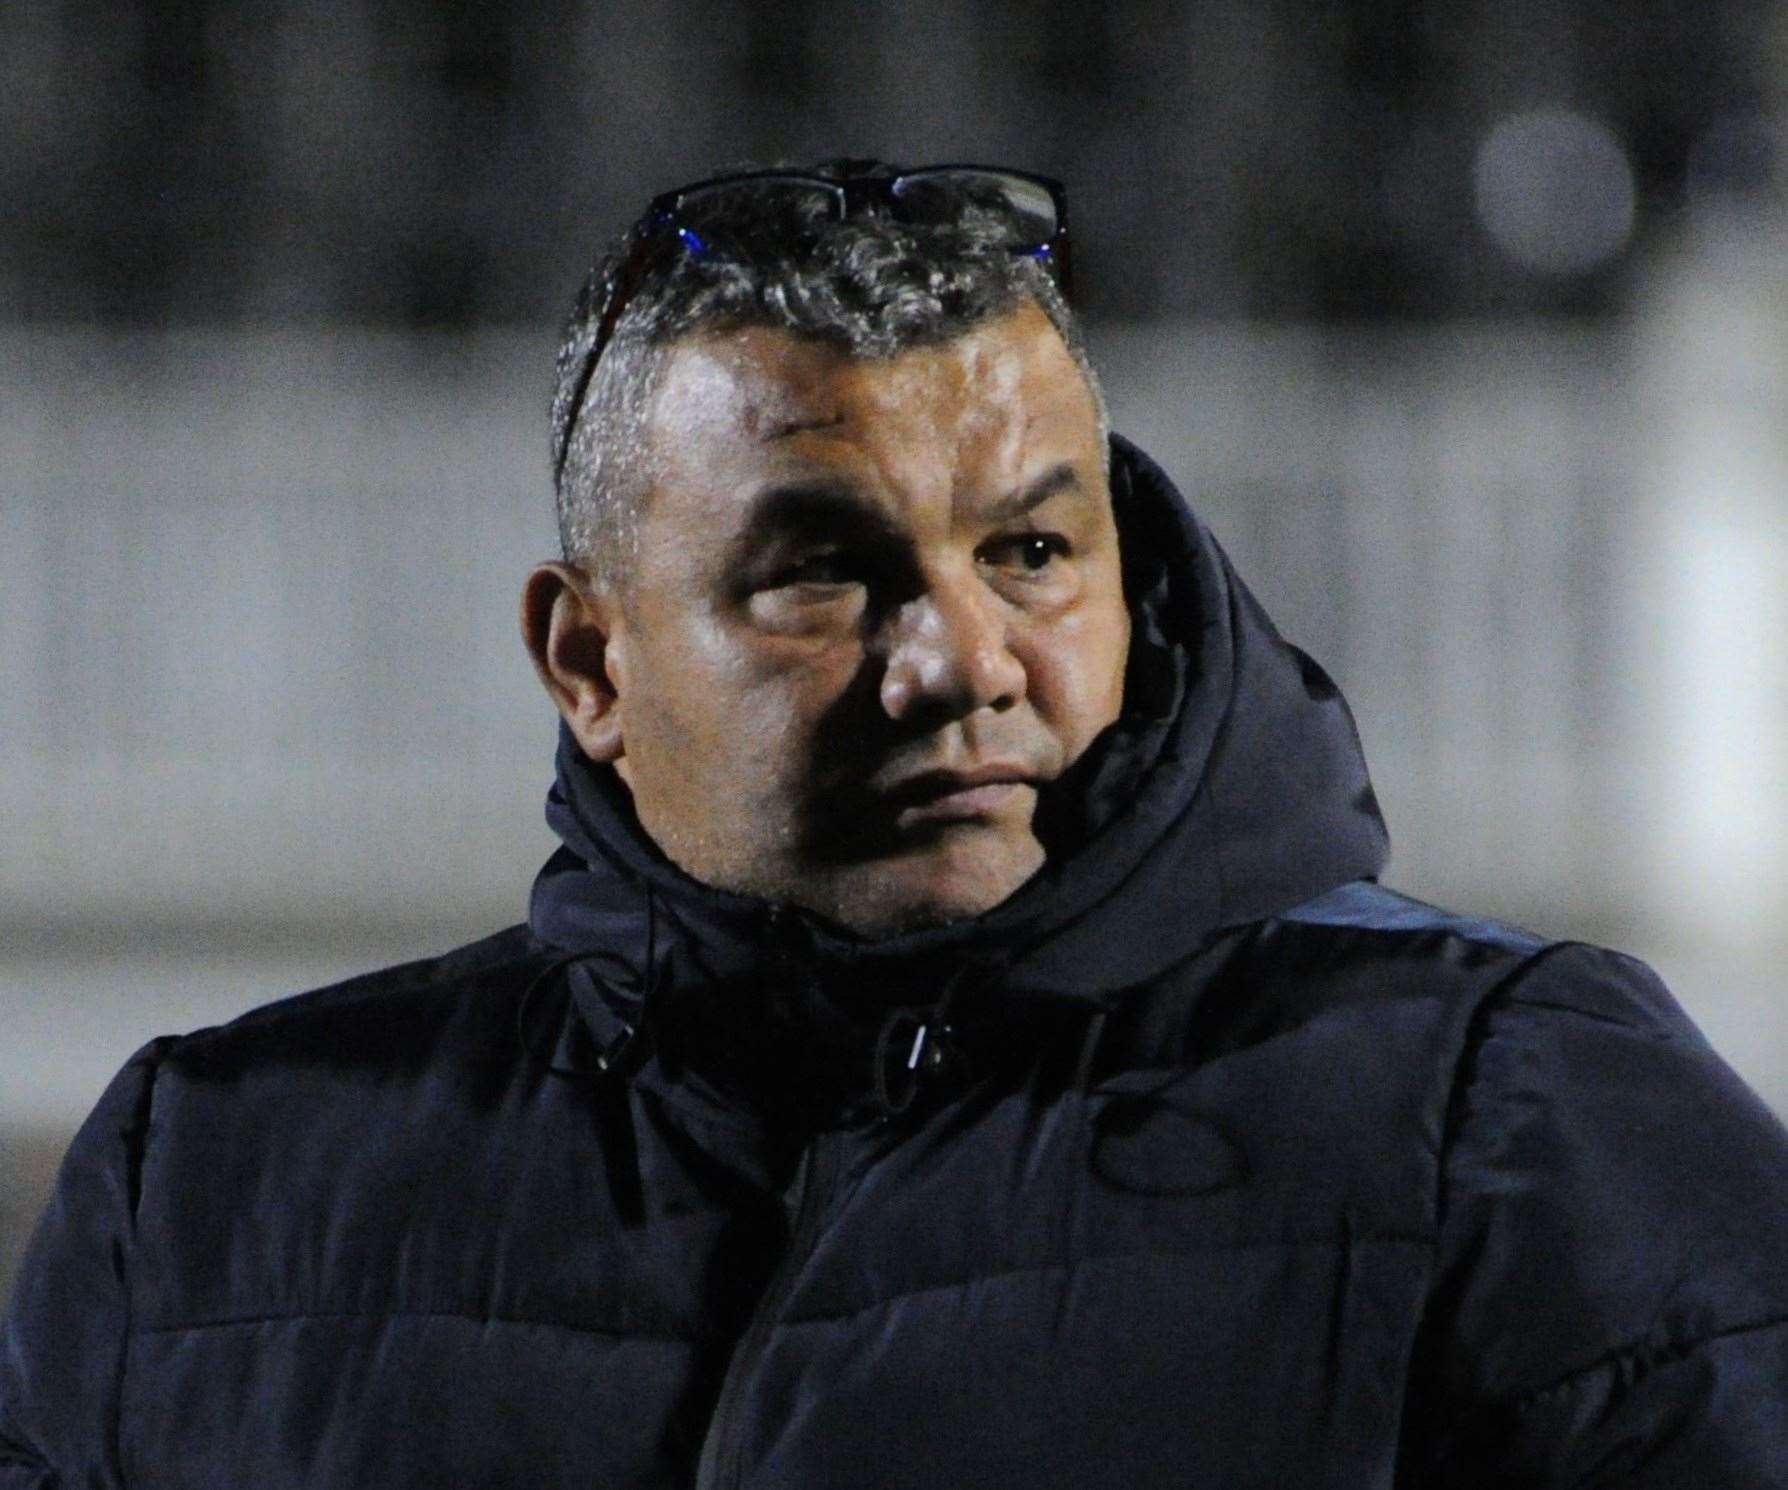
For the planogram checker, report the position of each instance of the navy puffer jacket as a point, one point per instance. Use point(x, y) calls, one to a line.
point(1202, 1161)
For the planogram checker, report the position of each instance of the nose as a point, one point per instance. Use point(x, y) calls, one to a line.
point(949, 655)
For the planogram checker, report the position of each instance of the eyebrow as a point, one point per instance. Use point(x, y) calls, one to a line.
point(1058, 478)
point(829, 506)
point(803, 508)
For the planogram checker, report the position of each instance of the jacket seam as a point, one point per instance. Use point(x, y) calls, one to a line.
point(1452, 1119)
point(1482, 943)
point(1465, 1065)
point(381, 986)
point(136, 1163)
point(1389, 1238)
point(246, 1321)
point(1520, 943)
point(949, 1285)
point(17, 1452)
point(1647, 1355)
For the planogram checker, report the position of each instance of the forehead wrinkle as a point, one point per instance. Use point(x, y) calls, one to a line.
point(721, 381)
point(894, 417)
point(769, 429)
point(935, 432)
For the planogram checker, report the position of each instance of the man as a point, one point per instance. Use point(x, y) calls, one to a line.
point(961, 1041)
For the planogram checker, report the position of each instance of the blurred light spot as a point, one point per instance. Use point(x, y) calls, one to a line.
point(1555, 190)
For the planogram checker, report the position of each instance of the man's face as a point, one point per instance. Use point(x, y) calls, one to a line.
point(877, 603)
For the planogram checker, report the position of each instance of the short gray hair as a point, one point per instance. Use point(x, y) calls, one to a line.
point(870, 285)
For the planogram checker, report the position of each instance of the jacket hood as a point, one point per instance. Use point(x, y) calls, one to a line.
point(1231, 788)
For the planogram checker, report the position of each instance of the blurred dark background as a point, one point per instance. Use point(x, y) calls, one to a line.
point(1464, 323)
point(453, 164)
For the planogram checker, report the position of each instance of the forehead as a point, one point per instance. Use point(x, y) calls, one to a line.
point(992, 400)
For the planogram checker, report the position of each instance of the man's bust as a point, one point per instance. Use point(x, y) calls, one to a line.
point(961, 1040)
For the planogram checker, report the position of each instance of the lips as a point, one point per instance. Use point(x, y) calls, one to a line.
point(942, 796)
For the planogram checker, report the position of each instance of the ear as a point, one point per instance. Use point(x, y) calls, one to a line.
point(569, 627)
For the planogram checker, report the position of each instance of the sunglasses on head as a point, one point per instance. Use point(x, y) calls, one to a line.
point(1031, 210)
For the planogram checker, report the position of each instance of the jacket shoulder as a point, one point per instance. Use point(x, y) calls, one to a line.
point(338, 1126)
point(62, 1340)
point(1613, 1236)
point(464, 986)
point(1609, 1289)
point(1499, 982)
point(1364, 905)
point(1395, 979)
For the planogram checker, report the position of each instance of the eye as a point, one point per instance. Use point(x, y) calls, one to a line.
point(810, 594)
point(1032, 552)
point(826, 567)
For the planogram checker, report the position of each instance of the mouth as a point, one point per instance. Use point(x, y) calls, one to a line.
point(961, 796)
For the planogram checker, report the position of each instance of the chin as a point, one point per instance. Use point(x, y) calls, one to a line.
point(946, 882)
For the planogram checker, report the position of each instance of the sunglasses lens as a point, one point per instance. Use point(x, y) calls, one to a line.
point(718, 200)
point(1025, 208)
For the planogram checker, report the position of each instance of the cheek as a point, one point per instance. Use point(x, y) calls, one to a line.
point(682, 712)
point(740, 703)
point(1076, 672)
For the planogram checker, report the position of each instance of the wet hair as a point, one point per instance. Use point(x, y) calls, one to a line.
point(868, 285)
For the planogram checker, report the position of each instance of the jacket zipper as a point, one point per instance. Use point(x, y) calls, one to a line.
point(719, 1465)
